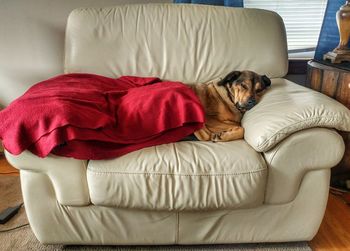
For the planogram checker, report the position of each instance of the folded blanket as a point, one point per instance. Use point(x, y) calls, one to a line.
point(87, 116)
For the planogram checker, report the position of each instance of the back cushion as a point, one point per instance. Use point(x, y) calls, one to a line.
point(189, 43)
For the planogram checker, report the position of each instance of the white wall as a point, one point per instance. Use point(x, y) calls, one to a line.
point(32, 40)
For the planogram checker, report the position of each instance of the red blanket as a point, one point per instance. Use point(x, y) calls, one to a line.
point(87, 116)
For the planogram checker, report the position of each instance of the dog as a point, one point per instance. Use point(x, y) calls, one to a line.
point(225, 101)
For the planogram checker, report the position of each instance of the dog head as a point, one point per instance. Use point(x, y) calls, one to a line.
point(245, 88)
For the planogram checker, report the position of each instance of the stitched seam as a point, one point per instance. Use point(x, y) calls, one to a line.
point(274, 154)
point(269, 163)
point(176, 174)
point(263, 145)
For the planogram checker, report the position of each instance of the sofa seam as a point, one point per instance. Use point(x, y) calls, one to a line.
point(262, 146)
point(269, 163)
point(274, 154)
point(178, 174)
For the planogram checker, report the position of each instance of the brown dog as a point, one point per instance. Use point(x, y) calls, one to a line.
point(226, 101)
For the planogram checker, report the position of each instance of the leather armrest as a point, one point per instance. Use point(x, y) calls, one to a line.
point(287, 108)
point(300, 153)
point(68, 175)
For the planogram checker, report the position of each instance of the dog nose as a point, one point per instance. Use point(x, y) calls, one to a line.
point(251, 102)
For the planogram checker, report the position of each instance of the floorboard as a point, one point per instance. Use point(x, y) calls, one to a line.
point(334, 233)
point(6, 168)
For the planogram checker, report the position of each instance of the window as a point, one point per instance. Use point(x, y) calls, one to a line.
point(303, 20)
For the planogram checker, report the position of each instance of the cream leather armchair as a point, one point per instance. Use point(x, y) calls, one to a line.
point(260, 189)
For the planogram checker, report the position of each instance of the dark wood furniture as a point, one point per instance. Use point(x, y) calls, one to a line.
point(334, 81)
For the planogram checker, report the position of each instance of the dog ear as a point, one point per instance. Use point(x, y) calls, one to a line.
point(232, 76)
point(266, 81)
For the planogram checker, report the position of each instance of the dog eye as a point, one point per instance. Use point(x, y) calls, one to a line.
point(258, 90)
point(244, 86)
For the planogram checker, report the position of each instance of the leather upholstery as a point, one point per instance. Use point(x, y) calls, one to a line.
point(64, 173)
point(188, 43)
point(53, 223)
point(181, 176)
point(287, 108)
point(298, 220)
point(298, 154)
point(103, 178)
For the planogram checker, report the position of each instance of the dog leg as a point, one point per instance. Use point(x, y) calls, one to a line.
point(203, 134)
point(233, 133)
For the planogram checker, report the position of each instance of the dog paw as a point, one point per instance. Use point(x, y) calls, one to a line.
point(216, 137)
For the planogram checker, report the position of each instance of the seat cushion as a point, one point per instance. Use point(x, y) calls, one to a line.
point(187, 175)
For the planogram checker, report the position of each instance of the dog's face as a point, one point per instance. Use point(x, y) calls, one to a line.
point(245, 88)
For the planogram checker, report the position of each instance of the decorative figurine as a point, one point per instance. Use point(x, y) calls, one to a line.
point(341, 52)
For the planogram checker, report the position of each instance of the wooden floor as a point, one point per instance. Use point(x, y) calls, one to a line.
point(6, 168)
point(334, 233)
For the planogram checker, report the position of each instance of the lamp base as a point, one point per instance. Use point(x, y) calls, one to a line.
point(337, 57)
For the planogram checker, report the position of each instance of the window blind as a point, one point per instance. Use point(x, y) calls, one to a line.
point(302, 18)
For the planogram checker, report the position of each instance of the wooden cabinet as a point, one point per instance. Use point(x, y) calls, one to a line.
point(334, 81)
